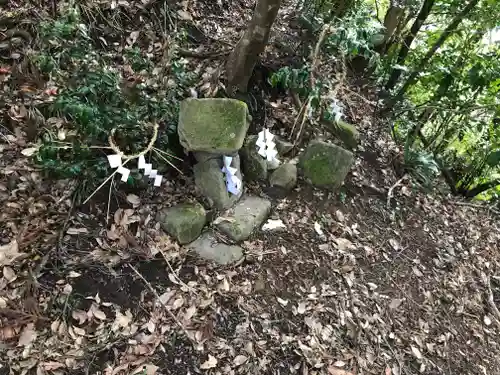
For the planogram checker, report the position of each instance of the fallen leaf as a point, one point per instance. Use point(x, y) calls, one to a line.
point(338, 371)
point(301, 308)
point(318, 230)
point(99, 314)
point(395, 303)
point(283, 302)
point(30, 151)
point(73, 231)
point(73, 274)
point(9, 274)
point(239, 360)
point(344, 244)
point(27, 335)
point(51, 365)
point(79, 331)
point(184, 15)
point(10, 253)
point(146, 370)
point(416, 352)
point(79, 315)
point(134, 200)
point(211, 362)
point(273, 225)
point(487, 320)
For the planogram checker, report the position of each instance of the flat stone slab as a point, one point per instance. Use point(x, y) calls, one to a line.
point(326, 165)
point(207, 247)
point(184, 221)
point(215, 125)
point(239, 222)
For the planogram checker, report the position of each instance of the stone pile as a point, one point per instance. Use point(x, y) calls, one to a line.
point(216, 128)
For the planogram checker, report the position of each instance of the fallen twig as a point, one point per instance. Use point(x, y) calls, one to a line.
point(491, 301)
point(202, 55)
point(391, 189)
point(181, 326)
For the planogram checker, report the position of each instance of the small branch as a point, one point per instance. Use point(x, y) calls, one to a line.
point(181, 326)
point(391, 189)
point(491, 301)
point(202, 55)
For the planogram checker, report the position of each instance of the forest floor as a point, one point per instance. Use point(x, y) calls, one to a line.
point(357, 283)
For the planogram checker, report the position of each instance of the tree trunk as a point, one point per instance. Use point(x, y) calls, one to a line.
point(481, 188)
point(425, 60)
point(392, 19)
point(405, 47)
point(244, 56)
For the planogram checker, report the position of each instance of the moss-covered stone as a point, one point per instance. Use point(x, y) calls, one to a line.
point(209, 178)
point(347, 133)
point(254, 165)
point(285, 176)
point(213, 125)
point(326, 165)
point(239, 222)
point(184, 221)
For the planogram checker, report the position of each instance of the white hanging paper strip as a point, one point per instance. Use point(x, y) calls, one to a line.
point(114, 160)
point(125, 172)
point(147, 169)
point(233, 183)
point(141, 163)
point(153, 173)
point(158, 179)
point(266, 146)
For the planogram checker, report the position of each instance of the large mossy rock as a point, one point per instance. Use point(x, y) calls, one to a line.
point(184, 221)
point(213, 125)
point(326, 165)
point(347, 133)
point(209, 179)
point(254, 165)
point(239, 222)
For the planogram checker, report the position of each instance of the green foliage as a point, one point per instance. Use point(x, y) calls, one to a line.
point(421, 165)
point(96, 97)
point(297, 80)
point(354, 34)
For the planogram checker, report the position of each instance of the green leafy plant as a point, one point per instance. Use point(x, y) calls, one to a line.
point(97, 98)
point(421, 165)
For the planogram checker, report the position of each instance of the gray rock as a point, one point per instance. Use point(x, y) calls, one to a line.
point(184, 221)
point(209, 178)
point(273, 164)
point(326, 165)
point(285, 176)
point(254, 165)
point(347, 133)
point(283, 147)
point(239, 222)
point(201, 156)
point(207, 247)
point(215, 125)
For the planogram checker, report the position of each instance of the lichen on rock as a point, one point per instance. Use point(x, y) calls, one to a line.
point(215, 125)
point(325, 164)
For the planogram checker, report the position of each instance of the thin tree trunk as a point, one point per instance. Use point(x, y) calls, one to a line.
point(405, 47)
point(392, 19)
point(425, 60)
point(242, 60)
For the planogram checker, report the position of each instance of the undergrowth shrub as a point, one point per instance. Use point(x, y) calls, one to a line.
point(101, 91)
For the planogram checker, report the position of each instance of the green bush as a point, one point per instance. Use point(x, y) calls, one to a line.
point(96, 96)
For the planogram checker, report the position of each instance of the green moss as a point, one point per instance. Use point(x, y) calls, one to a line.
point(184, 221)
point(213, 125)
point(326, 164)
point(347, 133)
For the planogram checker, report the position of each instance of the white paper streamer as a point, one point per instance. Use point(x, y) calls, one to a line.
point(115, 161)
point(125, 172)
point(266, 145)
point(233, 183)
point(158, 179)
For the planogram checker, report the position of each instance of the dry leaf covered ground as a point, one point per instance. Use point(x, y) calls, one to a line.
point(355, 284)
